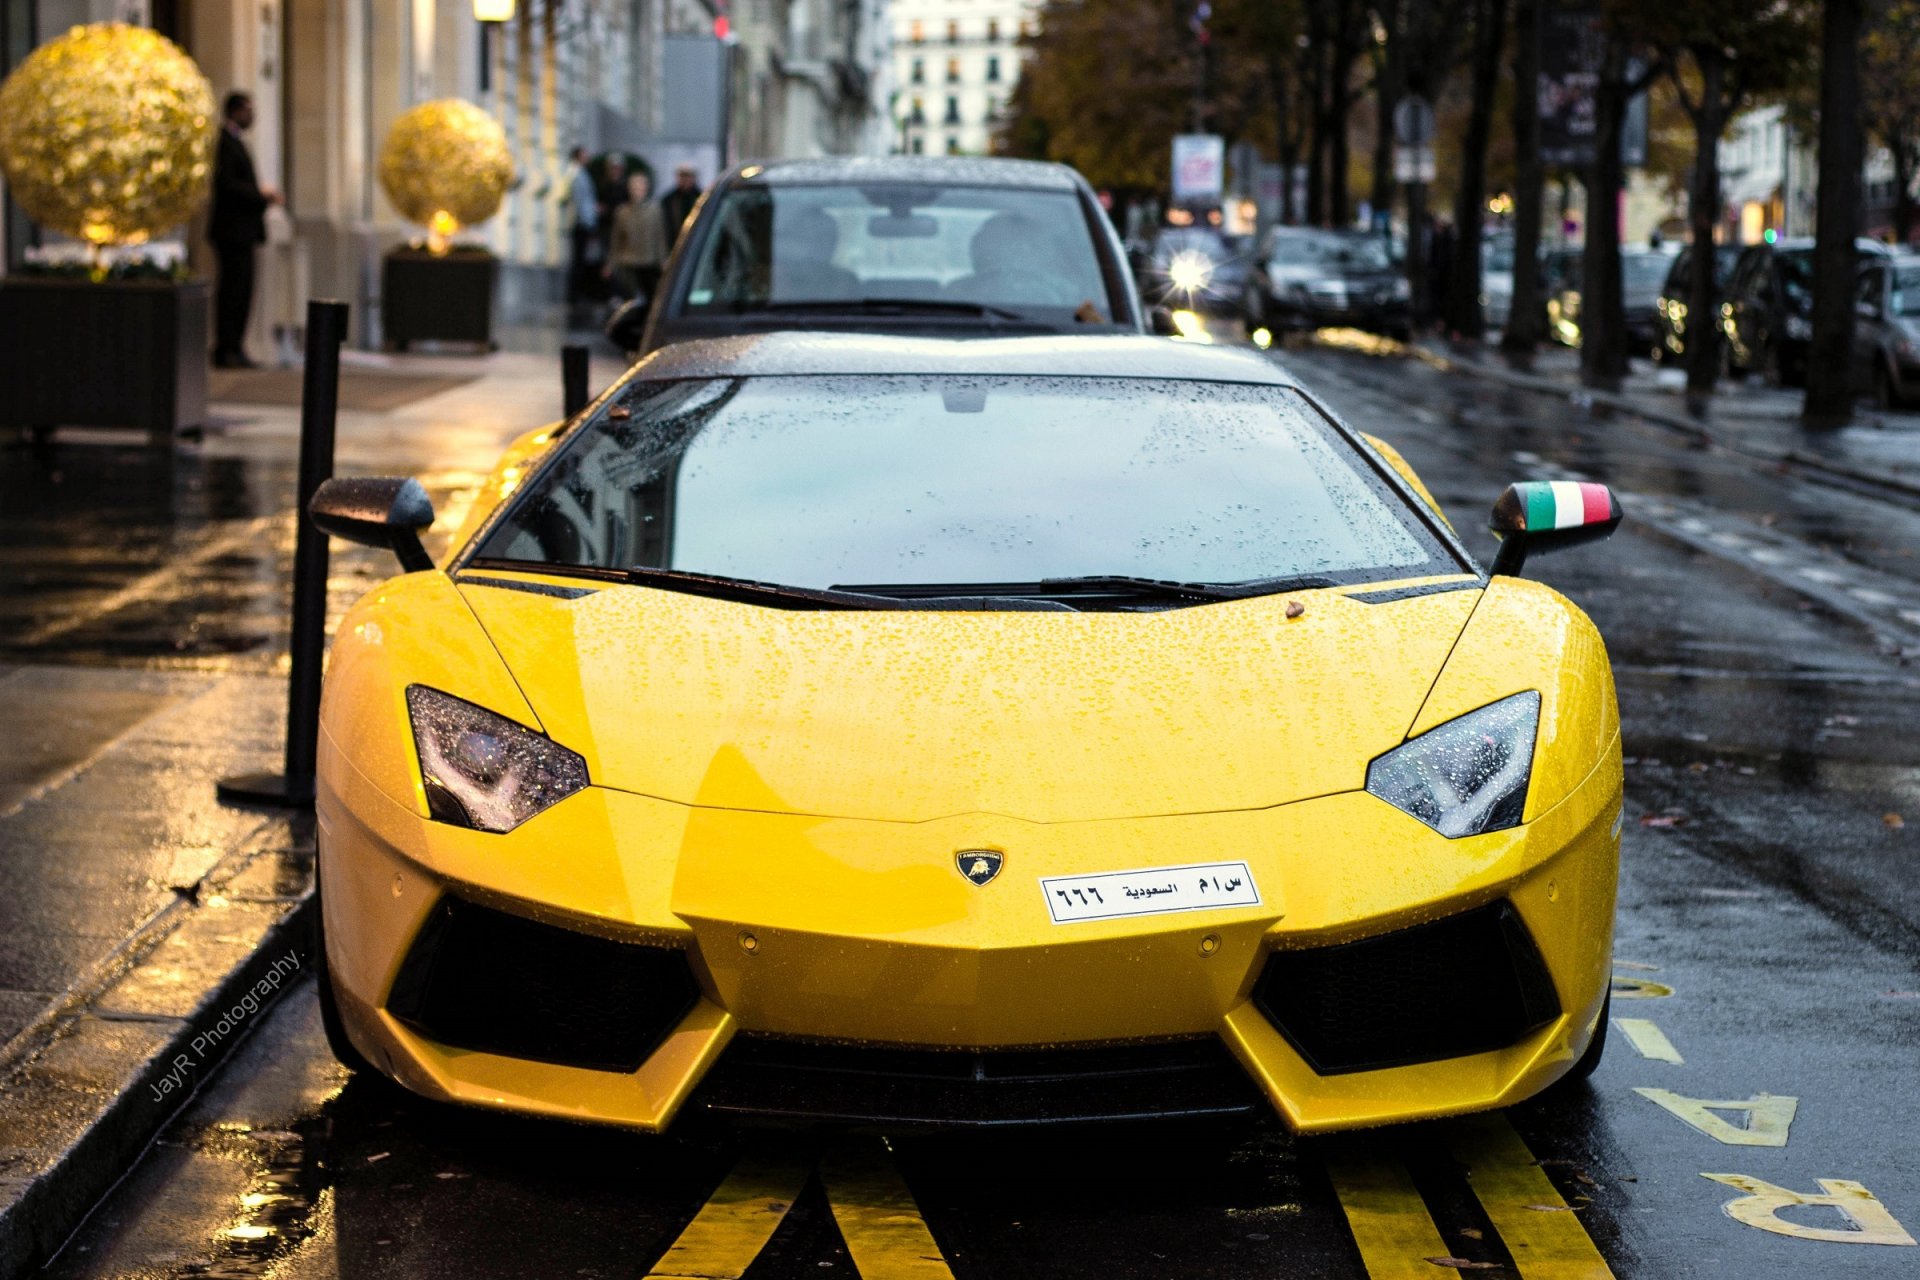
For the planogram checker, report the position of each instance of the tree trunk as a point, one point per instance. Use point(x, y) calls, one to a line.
point(1320, 53)
point(1527, 314)
point(1703, 214)
point(1829, 401)
point(1346, 51)
point(1603, 335)
point(1464, 313)
point(1387, 90)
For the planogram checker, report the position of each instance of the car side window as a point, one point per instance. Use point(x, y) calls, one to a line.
point(1867, 290)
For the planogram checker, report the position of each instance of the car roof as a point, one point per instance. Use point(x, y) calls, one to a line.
point(969, 171)
point(795, 354)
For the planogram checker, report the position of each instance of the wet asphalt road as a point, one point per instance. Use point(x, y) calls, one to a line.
point(1761, 626)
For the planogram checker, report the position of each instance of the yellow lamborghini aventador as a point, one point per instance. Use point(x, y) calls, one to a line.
point(953, 733)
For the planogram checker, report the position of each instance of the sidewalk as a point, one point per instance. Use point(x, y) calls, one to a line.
point(143, 631)
point(1879, 449)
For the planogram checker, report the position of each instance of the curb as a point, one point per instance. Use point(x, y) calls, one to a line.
point(108, 1069)
point(1679, 423)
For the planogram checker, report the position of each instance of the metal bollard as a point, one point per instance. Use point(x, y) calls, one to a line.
point(319, 406)
point(573, 380)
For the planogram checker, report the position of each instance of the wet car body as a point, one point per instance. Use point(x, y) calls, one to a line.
point(1304, 278)
point(909, 731)
point(1886, 330)
point(1677, 291)
point(1767, 317)
point(931, 245)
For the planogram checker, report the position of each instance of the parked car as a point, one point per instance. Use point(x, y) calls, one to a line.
point(1642, 273)
point(1886, 331)
point(927, 245)
point(819, 715)
point(1196, 268)
point(1672, 305)
point(1767, 317)
point(1304, 278)
point(1496, 278)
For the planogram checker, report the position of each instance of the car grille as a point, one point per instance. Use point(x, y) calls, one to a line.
point(1467, 984)
point(772, 1077)
point(481, 979)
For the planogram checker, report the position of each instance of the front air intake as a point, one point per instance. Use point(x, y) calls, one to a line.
point(1467, 984)
point(486, 980)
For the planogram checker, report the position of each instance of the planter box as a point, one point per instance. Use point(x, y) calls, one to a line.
point(119, 354)
point(449, 298)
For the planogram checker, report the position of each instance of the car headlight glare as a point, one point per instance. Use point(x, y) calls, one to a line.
point(1468, 775)
point(482, 770)
point(1189, 271)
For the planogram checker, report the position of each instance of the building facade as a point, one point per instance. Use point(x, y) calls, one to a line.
point(672, 81)
point(955, 63)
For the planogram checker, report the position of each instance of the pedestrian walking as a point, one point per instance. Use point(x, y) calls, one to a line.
point(237, 226)
point(585, 202)
point(677, 205)
point(637, 243)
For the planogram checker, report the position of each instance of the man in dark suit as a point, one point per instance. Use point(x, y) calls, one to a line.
point(679, 202)
point(237, 226)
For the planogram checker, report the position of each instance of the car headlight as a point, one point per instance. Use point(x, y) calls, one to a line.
point(1190, 272)
point(1799, 328)
point(482, 770)
point(1468, 775)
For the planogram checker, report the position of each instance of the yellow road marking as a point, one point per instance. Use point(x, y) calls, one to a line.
point(1540, 1230)
point(1628, 988)
point(877, 1215)
point(1388, 1218)
point(1649, 1039)
point(1760, 1207)
point(737, 1220)
point(1768, 1117)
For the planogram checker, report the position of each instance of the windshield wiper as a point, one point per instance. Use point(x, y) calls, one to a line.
point(1101, 584)
point(751, 591)
point(943, 305)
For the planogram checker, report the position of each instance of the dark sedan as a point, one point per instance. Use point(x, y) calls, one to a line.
point(1672, 306)
point(1309, 279)
point(1768, 313)
point(933, 246)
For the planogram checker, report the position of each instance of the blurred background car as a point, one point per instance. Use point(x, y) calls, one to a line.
point(1886, 330)
point(1304, 279)
point(1768, 313)
point(1496, 279)
point(1672, 305)
point(1642, 274)
point(1197, 268)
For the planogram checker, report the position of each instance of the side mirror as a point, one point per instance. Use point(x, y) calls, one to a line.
point(1161, 320)
point(380, 511)
point(1546, 515)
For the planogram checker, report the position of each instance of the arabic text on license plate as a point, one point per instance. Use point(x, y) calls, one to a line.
point(1151, 892)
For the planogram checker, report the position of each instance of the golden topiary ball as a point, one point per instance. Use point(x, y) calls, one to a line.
point(446, 157)
point(107, 134)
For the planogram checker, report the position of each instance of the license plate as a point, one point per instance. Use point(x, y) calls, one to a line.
point(1105, 895)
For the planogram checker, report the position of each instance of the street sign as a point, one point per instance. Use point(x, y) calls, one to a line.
point(1413, 121)
point(1199, 167)
point(1413, 164)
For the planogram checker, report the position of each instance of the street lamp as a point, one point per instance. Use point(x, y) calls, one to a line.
point(489, 14)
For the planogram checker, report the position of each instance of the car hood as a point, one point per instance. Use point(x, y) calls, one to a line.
point(912, 715)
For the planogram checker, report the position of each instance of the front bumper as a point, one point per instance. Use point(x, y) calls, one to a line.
point(820, 931)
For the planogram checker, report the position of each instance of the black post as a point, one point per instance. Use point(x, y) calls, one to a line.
point(573, 380)
point(319, 405)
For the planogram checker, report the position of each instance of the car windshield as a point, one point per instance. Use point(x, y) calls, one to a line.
point(1204, 240)
point(822, 482)
point(1645, 270)
point(1362, 253)
point(788, 247)
point(1906, 291)
point(1303, 249)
